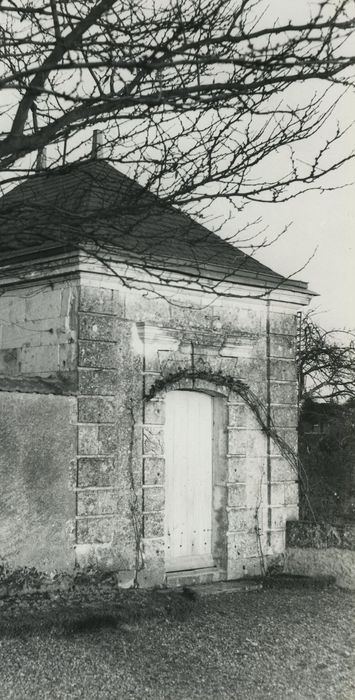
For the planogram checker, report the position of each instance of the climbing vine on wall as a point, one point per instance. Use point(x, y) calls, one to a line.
point(260, 410)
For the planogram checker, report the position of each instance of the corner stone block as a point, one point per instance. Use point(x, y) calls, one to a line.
point(237, 495)
point(107, 439)
point(153, 498)
point(285, 324)
point(94, 530)
point(98, 381)
point(93, 353)
point(154, 412)
point(153, 524)
point(291, 493)
point(237, 415)
point(153, 552)
point(237, 442)
point(96, 471)
point(282, 470)
point(241, 519)
point(96, 502)
point(153, 470)
point(96, 327)
point(100, 300)
point(284, 393)
point(278, 541)
point(153, 441)
point(282, 346)
point(284, 416)
point(238, 469)
point(88, 439)
point(242, 545)
point(283, 369)
point(289, 436)
point(93, 409)
point(292, 513)
point(241, 468)
point(278, 494)
point(278, 517)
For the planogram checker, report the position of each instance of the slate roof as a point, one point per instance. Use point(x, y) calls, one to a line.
point(93, 202)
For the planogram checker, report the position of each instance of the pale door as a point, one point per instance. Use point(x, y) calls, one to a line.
point(188, 503)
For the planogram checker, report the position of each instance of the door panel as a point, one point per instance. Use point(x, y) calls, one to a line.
point(188, 500)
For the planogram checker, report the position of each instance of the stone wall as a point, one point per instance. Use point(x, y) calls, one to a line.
point(321, 549)
point(116, 344)
point(37, 476)
point(38, 336)
point(129, 343)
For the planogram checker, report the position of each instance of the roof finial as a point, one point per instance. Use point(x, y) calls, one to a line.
point(97, 144)
point(41, 160)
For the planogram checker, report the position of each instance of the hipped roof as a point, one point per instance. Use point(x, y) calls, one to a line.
point(93, 203)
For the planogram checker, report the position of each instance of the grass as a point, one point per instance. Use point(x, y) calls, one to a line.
point(179, 646)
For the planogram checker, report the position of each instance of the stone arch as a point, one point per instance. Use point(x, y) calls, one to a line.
point(239, 466)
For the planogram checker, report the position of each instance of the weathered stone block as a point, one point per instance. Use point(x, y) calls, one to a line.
point(291, 493)
point(284, 416)
point(88, 439)
point(98, 381)
point(67, 355)
point(105, 556)
point(284, 393)
point(96, 327)
point(153, 441)
point(284, 370)
point(240, 468)
point(10, 361)
point(93, 409)
point(283, 323)
point(245, 320)
point(94, 353)
point(242, 545)
point(282, 346)
point(99, 300)
point(241, 519)
point(277, 539)
point(291, 513)
point(237, 495)
point(149, 380)
point(242, 416)
point(153, 572)
point(107, 439)
point(278, 517)
point(96, 471)
point(37, 499)
point(96, 502)
point(17, 310)
point(153, 524)
point(154, 470)
point(94, 529)
point(282, 470)
point(251, 443)
point(237, 442)
point(278, 494)
point(35, 359)
point(153, 498)
point(45, 305)
point(289, 436)
point(154, 412)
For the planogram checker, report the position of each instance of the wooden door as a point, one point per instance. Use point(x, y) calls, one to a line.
point(188, 500)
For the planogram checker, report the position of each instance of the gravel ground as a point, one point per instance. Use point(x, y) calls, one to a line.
point(166, 645)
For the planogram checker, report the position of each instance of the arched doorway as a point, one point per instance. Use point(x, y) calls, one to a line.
point(189, 480)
